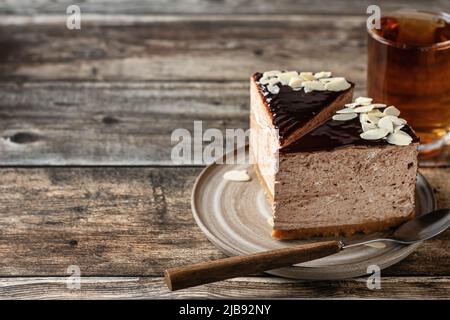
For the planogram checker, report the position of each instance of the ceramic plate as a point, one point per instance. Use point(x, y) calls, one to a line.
point(233, 215)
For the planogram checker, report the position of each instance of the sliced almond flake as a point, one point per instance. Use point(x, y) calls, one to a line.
point(313, 86)
point(399, 121)
point(295, 82)
point(396, 120)
point(386, 123)
point(391, 111)
point(306, 76)
point(397, 128)
point(307, 89)
point(363, 117)
point(345, 116)
point(237, 175)
point(337, 85)
point(285, 77)
point(322, 74)
point(403, 133)
point(273, 81)
point(326, 80)
point(367, 118)
point(373, 119)
point(399, 138)
point(264, 80)
point(374, 134)
point(274, 89)
point(366, 108)
point(368, 126)
point(376, 113)
point(270, 80)
point(364, 101)
point(346, 110)
point(271, 73)
point(352, 105)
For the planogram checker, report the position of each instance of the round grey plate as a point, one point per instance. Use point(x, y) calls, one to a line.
point(233, 215)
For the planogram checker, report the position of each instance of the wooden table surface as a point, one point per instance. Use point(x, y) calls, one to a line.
point(85, 123)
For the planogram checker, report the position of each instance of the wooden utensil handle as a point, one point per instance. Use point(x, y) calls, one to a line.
point(207, 272)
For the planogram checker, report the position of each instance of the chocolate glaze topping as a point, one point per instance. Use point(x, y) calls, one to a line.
point(292, 109)
point(335, 134)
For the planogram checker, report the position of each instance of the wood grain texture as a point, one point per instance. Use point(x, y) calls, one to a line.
point(123, 123)
point(118, 123)
point(213, 6)
point(248, 287)
point(141, 221)
point(111, 94)
point(440, 182)
point(179, 48)
point(98, 123)
point(126, 221)
point(110, 123)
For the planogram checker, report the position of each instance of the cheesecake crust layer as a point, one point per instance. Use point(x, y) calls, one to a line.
point(344, 230)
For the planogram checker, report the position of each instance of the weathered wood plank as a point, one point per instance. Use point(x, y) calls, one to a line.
point(179, 48)
point(248, 287)
point(216, 7)
point(440, 182)
point(110, 123)
point(124, 221)
point(53, 218)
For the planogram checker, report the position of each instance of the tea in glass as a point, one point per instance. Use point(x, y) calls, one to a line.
point(409, 67)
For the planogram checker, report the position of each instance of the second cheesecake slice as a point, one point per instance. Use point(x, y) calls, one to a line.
point(294, 103)
point(286, 106)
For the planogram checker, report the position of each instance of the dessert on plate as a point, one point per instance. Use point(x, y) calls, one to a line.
point(329, 166)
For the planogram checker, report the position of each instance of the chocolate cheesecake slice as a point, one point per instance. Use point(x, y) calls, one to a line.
point(355, 172)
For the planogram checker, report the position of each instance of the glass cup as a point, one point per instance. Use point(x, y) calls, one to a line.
point(409, 67)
